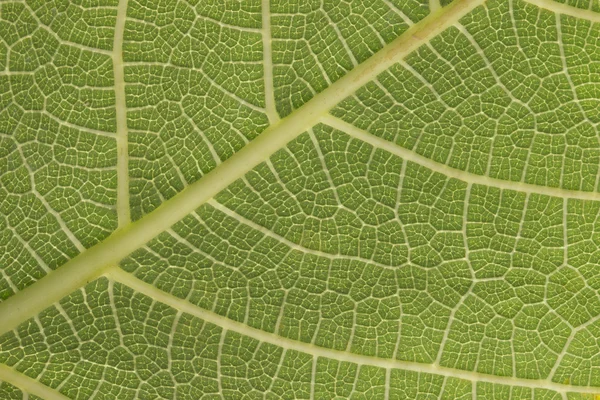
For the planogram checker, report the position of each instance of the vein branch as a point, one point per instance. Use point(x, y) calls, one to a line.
point(560, 8)
point(123, 210)
point(450, 172)
point(29, 385)
point(118, 275)
point(92, 262)
point(271, 110)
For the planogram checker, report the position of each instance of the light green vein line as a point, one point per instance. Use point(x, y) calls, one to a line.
point(123, 210)
point(89, 264)
point(29, 385)
point(118, 275)
point(268, 63)
point(565, 9)
point(450, 172)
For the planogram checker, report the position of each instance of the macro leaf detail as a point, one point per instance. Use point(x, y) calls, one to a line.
point(384, 199)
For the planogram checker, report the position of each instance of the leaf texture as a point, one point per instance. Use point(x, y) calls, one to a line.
point(385, 199)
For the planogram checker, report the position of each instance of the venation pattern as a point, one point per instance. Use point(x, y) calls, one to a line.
point(373, 256)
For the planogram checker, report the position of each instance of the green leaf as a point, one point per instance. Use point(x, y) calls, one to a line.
point(383, 199)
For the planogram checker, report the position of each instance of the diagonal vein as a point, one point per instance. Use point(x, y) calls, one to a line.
point(450, 172)
point(560, 8)
point(94, 261)
point(118, 275)
point(29, 385)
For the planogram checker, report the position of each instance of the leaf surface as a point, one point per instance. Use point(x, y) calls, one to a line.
point(270, 199)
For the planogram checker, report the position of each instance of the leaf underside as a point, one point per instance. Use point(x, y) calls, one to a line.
point(382, 199)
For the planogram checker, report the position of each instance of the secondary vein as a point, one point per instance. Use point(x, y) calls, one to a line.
point(118, 275)
point(123, 211)
point(92, 262)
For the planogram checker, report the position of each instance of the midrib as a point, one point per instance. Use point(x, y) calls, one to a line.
point(94, 261)
point(118, 275)
point(101, 258)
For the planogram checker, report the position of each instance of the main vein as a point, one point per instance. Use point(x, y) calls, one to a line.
point(94, 261)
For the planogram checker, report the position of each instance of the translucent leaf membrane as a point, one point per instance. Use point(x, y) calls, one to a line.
point(315, 43)
point(510, 98)
point(107, 341)
point(194, 75)
point(10, 392)
point(592, 5)
point(194, 90)
point(339, 244)
point(57, 145)
point(432, 235)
